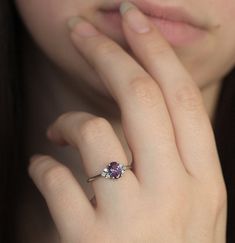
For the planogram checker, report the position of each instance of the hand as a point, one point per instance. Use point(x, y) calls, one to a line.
point(175, 192)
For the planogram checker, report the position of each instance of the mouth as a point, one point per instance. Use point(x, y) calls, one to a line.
point(177, 26)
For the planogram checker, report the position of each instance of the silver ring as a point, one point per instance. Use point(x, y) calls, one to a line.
point(113, 170)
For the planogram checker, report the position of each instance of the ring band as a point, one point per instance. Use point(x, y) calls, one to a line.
point(113, 170)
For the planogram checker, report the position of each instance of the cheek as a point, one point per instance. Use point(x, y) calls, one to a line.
point(39, 15)
point(46, 20)
point(226, 10)
point(46, 23)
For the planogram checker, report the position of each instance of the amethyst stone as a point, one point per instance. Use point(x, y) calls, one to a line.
point(115, 170)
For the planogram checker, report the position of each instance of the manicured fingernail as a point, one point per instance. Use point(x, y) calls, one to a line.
point(82, 27)
point(135, 19)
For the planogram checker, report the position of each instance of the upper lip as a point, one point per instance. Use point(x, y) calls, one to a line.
point(171, 13)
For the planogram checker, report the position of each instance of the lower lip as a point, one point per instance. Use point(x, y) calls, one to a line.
point(176, 33)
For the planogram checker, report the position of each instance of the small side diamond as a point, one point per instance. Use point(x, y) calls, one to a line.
point(104, 173)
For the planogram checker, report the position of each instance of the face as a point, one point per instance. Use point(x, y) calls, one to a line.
point(207, 58)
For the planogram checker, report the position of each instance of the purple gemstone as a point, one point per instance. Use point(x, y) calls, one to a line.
point(114, 170)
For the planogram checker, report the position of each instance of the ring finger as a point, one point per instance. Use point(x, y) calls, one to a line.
point(98, 146)
point(145, 118)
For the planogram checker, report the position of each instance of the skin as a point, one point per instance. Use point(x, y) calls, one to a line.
point(179, 115)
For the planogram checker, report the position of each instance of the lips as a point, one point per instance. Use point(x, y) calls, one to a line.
point(168, 13)
point(177, 26)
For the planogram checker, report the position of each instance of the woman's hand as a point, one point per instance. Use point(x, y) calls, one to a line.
point(175, 192)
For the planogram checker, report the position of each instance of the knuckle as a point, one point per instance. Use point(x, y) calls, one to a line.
point(65, 116)
point(102, 53)
point(64, 119)
point(145, 91)
point(36, 164)
point(189, 98)
point(105, 48)
point(43, 159)
point(93, 129)
point(158, 49)
point(219, 197)
point(54, 176)
point(214, 196)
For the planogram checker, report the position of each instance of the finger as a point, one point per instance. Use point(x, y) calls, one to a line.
point(145, 117)
point(68, 204)
point(98, 146)
point(93, 202)
point(193, 130)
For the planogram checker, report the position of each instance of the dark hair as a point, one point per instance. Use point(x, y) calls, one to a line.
point(10, 119)
point(11, 98)
point(224, 129)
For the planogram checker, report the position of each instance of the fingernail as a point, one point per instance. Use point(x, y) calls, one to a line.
point(135, 19)
point(125, 6)
point(82, 27)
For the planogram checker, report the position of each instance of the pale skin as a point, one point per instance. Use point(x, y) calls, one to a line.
point(173, 151)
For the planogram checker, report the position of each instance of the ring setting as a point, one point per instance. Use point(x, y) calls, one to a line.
point(113, 170)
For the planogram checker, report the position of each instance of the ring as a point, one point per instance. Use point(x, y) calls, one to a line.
point(113, 170)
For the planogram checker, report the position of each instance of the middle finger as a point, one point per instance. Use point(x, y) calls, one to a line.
point(145, 117)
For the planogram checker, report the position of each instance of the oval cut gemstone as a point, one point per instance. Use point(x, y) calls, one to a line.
point(114, 170)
